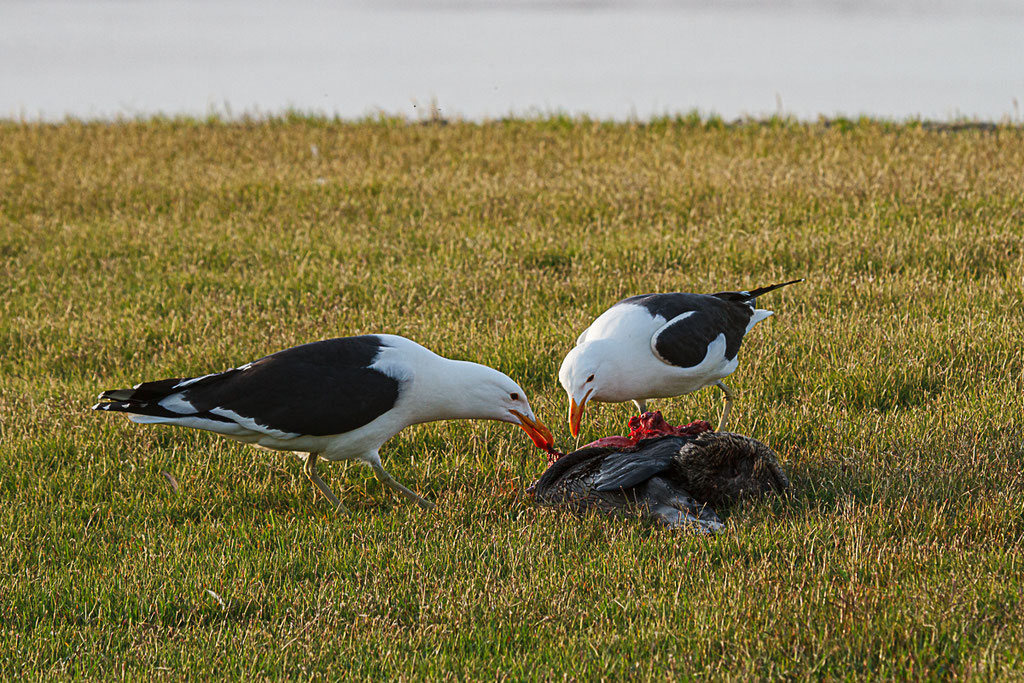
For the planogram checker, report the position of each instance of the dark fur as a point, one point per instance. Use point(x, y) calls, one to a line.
point(675, 481)
point(721, 467)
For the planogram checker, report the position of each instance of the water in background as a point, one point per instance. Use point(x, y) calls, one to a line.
point(480, 59)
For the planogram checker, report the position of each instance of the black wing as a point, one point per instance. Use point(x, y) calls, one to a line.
point(685, 341)
point(627, 469)
point(317, 389)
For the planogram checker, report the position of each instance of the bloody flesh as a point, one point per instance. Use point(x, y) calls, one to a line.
point(646, 426)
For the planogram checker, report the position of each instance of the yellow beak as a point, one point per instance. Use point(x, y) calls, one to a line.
point(576, 414)
point(537, 431)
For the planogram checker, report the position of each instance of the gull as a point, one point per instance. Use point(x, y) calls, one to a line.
point(660, 346)
point(336, 399)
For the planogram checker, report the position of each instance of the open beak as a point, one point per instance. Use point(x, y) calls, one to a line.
point(576, 413)
point(537, 430)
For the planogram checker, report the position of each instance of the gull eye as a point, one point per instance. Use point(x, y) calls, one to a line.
point(514, 396)
point(590, 379)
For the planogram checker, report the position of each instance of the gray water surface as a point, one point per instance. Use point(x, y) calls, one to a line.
point(106, 58)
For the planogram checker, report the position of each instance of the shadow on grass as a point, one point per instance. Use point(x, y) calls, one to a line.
point(960, 463)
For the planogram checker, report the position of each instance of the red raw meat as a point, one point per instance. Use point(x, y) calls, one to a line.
point(646, 426)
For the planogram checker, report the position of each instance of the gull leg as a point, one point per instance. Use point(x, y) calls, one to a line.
point(728, 404)
point(391, 483)
point(641, 405)
point(309, 467)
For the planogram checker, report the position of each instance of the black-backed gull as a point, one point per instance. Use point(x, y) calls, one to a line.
point(659, 346)
point(339, 399)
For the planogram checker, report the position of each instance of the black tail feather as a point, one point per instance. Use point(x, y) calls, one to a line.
point(162, 388)
point(117, 395)
point(147, 391)
point(754, 293)
point(136, 408)
point(114, 406)
point(156, 410)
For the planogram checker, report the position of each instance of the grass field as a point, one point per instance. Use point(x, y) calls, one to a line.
point(891, 384)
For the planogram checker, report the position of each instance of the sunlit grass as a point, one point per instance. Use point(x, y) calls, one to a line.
point(891, 383)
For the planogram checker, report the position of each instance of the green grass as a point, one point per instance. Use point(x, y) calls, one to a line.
point(891, 384)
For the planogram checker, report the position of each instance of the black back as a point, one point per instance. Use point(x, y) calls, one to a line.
point(317, 389)
point(685, 343)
